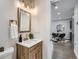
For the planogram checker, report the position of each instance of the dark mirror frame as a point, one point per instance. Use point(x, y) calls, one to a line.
point(19, 19)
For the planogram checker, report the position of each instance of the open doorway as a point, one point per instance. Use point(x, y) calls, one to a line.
point(62, 22)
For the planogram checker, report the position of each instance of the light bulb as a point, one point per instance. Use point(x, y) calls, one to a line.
point(56, 7)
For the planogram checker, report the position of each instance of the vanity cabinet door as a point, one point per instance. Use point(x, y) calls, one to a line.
point(25, 53)
point(22, 52)
point(32, 55)
point(39, 52)
point(36, 51)
point(19, 51)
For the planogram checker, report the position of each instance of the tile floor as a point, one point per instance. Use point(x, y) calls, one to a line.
point(63, 50)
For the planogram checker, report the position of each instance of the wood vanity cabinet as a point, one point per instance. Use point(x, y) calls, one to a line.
point(35, 52)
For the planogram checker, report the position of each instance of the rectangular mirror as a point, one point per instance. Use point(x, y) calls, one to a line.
point(24, 21)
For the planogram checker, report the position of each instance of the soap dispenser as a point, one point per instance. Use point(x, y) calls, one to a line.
point(20, 38)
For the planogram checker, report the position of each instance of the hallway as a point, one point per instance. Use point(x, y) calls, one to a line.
point(63, 51)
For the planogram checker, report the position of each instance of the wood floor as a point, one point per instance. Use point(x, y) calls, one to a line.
point(63, 51)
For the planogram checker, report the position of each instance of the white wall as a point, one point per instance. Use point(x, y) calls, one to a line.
point(66, 24)
point(7, 12)
point(41, 24)
point(76, 31)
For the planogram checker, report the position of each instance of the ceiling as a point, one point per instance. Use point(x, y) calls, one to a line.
point(65, 9)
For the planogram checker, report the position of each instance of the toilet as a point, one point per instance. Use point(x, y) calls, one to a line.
point(7, 53)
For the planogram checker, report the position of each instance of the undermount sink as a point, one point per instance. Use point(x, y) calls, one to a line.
point(7, 52)
point(29, 43)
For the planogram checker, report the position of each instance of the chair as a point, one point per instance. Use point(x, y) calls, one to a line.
point(61, 36)
point(54, 35)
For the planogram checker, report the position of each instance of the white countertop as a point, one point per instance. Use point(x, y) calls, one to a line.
point(29, 43)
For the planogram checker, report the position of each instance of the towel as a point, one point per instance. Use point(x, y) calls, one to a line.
point(13, 31)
